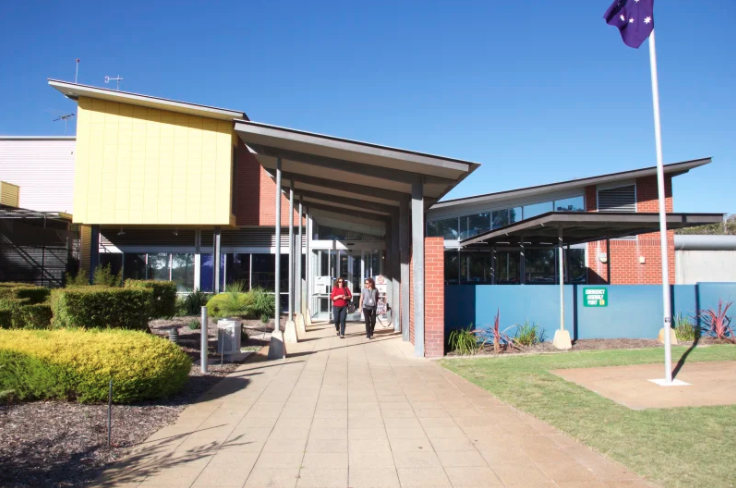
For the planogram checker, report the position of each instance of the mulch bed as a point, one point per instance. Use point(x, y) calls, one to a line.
point(62, 444)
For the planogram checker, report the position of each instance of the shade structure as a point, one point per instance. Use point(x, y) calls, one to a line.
point(367, 186)
point(581, 227)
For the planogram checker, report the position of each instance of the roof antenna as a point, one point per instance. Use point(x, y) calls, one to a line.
point(65, 118)
point(118, 79)
point(76, 71)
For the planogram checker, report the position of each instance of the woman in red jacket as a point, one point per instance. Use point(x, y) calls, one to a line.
point(340, 297)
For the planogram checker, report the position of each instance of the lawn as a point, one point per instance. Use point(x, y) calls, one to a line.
point(681, 447)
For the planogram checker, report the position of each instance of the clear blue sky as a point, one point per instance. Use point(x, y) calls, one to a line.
point(536, 91)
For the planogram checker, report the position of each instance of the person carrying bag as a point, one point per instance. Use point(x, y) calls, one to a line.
point(341, 298)
point(368, 302)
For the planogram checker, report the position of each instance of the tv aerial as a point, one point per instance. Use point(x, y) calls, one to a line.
point(64, 117)
point(117, 79)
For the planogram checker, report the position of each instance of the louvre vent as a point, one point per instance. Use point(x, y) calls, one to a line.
point(619, 199)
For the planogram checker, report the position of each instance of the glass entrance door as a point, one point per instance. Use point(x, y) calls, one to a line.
point(351, 265)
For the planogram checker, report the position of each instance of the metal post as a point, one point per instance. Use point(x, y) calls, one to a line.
point(290, 334)
point(562, 281)
point(522, 263)
point(94, 254)
point(203, 344)
point(109, 416)
point(608, 261)
point(299, 238)
point(404, 271)
point(277, 348)
point(217, 258)
point(43, 251)
point(417, 243)
point(662, 214)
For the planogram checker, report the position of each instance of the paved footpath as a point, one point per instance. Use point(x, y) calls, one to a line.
point(358, 413)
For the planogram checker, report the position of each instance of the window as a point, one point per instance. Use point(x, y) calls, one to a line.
point(540, 266)
point(182, 271)
point(238, 268)
point(537, 209)
point(576, 269)
point(158, 267)
point(574, 204)
point(112, 259)
point(447, 228)
point(264, 270)
point(507, 267)
point(134, 266)
point(472, 225)
point(500, 218)
point(477, 267)
point(514, 215)
point(451, 268)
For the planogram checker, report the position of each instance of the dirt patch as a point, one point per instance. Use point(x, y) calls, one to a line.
point(63, 444)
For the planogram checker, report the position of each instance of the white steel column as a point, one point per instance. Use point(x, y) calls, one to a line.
point(216, 238)
point(301, 328)
point(290, 330)
point(562, 336)
point(277, 347)
point(197, 259)
point(417, 245)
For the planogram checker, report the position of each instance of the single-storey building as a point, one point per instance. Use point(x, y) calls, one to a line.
point(204, 196)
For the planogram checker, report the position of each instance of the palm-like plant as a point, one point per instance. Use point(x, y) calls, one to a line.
point(717, 322)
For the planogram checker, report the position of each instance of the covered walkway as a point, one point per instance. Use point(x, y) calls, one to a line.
point(357, 413)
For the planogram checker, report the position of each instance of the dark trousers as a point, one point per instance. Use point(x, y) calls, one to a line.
point(340, 315)
point(370, 320)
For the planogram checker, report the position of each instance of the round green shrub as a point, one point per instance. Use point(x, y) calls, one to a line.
point(78, 365)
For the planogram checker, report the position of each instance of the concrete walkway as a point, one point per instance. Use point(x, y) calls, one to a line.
point(357, 413)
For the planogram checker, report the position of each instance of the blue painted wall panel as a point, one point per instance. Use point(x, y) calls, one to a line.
point(459, 307)
point(633, 311)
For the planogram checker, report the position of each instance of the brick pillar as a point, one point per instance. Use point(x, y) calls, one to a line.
point(434, 296)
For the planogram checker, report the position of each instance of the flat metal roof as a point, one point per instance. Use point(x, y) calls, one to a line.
point(75, 90)
point(581, 227)
point(676, 168)
point(349, 175)
point(8, 212)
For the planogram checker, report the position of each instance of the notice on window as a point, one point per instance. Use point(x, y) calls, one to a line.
point(595, 297)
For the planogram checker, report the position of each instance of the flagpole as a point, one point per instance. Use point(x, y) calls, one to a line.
point(662, 217)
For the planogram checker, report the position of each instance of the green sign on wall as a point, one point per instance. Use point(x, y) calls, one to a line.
point(595, 297)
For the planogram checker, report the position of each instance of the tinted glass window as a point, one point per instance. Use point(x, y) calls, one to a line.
point(514, 215)
point(540, 266)
point(537, 209)
point(472, 225)
point(577, 272)
point(134, 266)
point(447, 228)
point(574, 204)
point(507, 267)
point(182, 271)
point(500, 218)
point(451, 267)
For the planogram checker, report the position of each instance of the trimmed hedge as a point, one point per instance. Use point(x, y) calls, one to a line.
point(24, 306)
point(96, 306)
point(78, 365)
point(163, 303)
point(24, 291)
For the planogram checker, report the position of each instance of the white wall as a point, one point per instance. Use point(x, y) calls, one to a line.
point(695, 266)
point(43, 167)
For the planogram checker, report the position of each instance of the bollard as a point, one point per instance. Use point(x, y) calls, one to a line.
point(203, 355)
point(109, 415)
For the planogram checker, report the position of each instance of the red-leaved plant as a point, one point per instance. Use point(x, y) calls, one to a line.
point(717, 322)
point(498, 335)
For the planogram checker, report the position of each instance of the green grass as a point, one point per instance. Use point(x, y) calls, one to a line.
point(680, 447)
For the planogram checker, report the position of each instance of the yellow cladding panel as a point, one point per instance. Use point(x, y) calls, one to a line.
point(138, 166)
point(9, 194)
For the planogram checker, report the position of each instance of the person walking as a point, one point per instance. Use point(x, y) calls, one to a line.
point(341, 297)
point(368, 302)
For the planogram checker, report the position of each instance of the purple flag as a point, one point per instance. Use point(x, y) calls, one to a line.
point(634, 18)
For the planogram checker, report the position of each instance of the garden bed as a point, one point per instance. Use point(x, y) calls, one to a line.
point(64, 444)
point(585, 345)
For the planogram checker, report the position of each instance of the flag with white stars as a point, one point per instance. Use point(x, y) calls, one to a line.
point(633, 18)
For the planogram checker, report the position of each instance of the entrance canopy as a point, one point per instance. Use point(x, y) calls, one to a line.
point(581, 227)
point(350, 177)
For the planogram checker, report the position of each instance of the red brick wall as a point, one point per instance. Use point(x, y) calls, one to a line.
point(626, 268)
point(434, 296)
point(255, 192)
